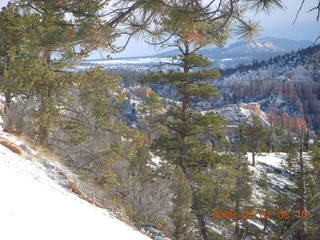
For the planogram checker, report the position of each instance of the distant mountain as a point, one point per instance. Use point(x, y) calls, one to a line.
point(228, 57)
point(245, 52)
point(287, 86)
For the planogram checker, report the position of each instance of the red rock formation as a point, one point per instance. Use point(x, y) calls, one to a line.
point(304, 94)
point(293, 123)
point(255, 107)
point(143, 92)
point(277, 117)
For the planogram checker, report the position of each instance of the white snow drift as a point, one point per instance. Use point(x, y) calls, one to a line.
point(34, 206)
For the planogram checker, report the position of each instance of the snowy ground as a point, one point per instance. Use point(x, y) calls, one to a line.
point(273, 165)
point(36, 206)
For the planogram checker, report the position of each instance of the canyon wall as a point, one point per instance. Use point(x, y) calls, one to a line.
point(294, 95)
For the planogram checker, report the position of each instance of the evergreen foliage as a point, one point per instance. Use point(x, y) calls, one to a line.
point(77, 114)
point(187, 129)
point(256, 136)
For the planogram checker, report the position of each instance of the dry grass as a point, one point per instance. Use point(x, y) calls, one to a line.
point(10, 146)
point(44, 153)
point(41, 152)
point(27, 141)
point(75, 189)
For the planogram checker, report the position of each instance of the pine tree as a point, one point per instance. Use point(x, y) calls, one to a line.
point(181, 144)
point(256, 136)
point(242, 190)
point(151, 108)
point(314, 202)
point(189, 26)
point(181, 215)
point(268, 202)
point(186, 127)
point(303, 206)
point(90, 119)
point(14, 30)
point(51, 36)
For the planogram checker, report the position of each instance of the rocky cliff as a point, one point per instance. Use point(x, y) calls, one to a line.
point(292, 93)
point(236, 113)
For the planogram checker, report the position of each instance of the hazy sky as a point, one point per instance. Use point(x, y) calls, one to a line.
point(278, 24)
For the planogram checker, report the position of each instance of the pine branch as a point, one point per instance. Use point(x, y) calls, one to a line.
point(313, 212)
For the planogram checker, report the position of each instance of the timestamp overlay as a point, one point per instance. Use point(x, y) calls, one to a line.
point(260, 214)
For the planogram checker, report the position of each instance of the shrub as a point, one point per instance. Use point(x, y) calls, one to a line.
point(16, 117)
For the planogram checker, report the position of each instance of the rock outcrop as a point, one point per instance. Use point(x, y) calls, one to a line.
point(235, 113)
point(294, 95)
point(143, 92)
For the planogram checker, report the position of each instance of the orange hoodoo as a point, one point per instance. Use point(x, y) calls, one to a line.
point(143, 92)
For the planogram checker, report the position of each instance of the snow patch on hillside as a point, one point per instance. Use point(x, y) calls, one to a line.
point(37, 206)
point(273, 164)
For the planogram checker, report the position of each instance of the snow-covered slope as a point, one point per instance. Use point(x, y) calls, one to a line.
point(36, 205)
point(273, 164)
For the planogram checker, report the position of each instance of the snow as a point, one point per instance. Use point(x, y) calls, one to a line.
point(144, 60)
point(246, 112)
point(273, 164)
point(226, 59)
point(272, 159)
point(36, 206)
point(236, 113)
point(260, 226)
point(156, 160)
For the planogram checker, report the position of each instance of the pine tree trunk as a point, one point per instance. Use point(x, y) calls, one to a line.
point(43, 128)
point(6, 110)
point(237, 225)
point(43, 124)
point(303, 191)
point(253, 158)
point(183, 158)
point(7, 102)
point(202, 227)
point(265, 225)
point(200, 218)
point(43, 134)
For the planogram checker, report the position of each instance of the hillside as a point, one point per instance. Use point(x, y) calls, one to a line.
point(216, 138)
point(37, 203)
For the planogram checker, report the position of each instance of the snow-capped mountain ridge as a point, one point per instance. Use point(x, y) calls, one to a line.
point(245, 52)
point(228, 56)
